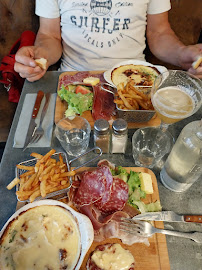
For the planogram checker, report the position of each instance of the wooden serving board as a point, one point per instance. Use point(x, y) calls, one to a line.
point(153, 257)
point(61, 107)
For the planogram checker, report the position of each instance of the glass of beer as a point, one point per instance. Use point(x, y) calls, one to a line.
point(175, 95)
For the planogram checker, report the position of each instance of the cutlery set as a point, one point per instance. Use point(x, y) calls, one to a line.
point(139, 226)
point(35, 133)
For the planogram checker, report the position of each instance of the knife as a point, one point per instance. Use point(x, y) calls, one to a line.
point(169, 216)
point(32, 124)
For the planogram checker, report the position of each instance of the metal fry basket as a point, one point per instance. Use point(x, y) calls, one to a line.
point(137, 116)
point(60, 194)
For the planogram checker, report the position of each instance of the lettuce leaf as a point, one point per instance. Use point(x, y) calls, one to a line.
point(135, 191)
point(77, 103)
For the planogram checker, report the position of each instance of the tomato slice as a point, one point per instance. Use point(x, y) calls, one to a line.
point(81, 89)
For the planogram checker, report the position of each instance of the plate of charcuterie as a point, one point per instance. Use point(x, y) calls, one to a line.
point(93, 196)
point(103, 105)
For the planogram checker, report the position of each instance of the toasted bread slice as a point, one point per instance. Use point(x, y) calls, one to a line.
point(142, 75)
point(41, 62)
point(197, 63)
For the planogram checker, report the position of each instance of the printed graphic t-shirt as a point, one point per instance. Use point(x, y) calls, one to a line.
point(98, 34)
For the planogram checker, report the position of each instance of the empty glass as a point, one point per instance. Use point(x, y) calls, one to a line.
point(151, 147)
point(73, 134)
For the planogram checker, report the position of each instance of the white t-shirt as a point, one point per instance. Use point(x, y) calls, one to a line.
point(97, 34)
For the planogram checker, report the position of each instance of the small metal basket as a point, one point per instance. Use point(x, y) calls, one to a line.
point(137, 116)
point(62, 193)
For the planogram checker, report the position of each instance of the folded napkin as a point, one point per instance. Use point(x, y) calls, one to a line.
point(25, 117)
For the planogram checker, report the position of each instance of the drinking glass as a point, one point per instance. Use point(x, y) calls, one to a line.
point(175, 95)
point(149, 148)
point(73, 134)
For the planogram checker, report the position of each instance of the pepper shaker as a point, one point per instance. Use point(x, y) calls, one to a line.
point(102, 135)
point(119, 136)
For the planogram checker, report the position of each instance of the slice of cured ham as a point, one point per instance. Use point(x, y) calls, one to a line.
point(103, 104)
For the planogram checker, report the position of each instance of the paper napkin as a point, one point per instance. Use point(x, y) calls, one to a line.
point(25, 117)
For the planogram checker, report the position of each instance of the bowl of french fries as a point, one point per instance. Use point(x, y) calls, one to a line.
point(42, 177)
point(133, 102)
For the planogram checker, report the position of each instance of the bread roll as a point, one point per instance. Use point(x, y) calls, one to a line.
point(41, 62)
point(197, 63)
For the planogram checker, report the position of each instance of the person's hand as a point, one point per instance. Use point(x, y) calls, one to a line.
point(25, 64)
point(188, 55)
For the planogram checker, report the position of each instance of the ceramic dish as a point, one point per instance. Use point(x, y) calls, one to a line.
point(83, 222)
point(107, 74)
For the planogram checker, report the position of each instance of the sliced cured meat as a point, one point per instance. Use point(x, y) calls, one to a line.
point(110, 256)
point(95, 186)
point(112, 230)
point(118, 197)
point(103, 104)
point(105, 162)
point(98, 219)
point(78, 77)
point(108, 186)
point(91, 189)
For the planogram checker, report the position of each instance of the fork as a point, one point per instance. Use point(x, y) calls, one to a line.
point(145, 229)
point(38, 133)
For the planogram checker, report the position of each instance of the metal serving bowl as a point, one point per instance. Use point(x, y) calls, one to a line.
point(137, 116)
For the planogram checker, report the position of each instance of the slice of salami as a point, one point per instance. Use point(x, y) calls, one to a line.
point(92, 187)
point(78, 77)
point(118, 197)
point(108, 185)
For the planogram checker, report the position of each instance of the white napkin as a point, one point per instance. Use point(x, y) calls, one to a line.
point(24, 120)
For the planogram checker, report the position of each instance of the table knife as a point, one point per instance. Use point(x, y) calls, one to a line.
point(32, 124)
point(169, 216)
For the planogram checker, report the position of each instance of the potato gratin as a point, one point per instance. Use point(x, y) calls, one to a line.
point(43, 237)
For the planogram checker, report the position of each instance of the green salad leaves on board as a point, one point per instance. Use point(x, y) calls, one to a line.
point(77, 101)
point(135, 191)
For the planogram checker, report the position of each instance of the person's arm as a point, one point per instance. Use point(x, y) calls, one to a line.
point(47, 45)
point(166, 46)
point(48, 39)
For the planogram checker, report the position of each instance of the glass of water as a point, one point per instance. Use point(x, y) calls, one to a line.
point(74, 134)
point(149, 148)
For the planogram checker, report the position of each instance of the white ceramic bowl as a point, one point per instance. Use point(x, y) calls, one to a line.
point(84, 225)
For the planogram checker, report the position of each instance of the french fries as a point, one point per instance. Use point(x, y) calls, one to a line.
point(48, 175)
point(132, 98)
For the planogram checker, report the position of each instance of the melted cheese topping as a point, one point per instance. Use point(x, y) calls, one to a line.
point(44, 237)
point(113, 258)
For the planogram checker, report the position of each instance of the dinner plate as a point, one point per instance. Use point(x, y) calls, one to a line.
point(107, 74)
point(84, 223)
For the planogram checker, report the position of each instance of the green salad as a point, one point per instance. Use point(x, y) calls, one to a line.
point(78, 97)
point(136, 192)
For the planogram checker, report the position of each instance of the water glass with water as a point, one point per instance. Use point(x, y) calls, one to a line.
point(184, 164)
point(73, 134)
point(149, 148)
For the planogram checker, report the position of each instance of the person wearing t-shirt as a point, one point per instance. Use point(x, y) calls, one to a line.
point(96, 35)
